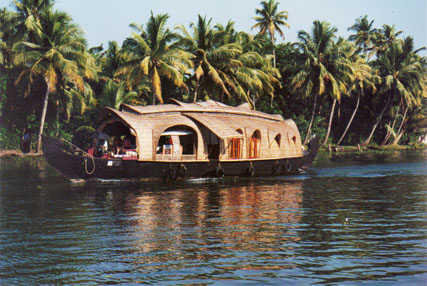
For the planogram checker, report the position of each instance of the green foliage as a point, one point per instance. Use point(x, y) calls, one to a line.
point(83, 136)
point(41, 48)
point(9, 139)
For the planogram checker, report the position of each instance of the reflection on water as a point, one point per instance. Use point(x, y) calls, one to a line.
point(349, 219)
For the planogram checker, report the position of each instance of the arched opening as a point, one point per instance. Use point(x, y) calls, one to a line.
point(176, 141)
point(114, 138)
point(254, 146)
point(277, 139)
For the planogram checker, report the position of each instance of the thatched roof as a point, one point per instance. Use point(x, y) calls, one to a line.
point(209, 106)
point(149, 122)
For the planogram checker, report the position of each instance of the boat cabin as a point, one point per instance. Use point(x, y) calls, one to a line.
point(200, 131)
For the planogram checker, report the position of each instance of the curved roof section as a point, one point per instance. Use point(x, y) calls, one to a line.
point(209, 106)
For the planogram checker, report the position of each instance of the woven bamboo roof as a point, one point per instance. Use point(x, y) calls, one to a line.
point(209, 106)
point(147, 123)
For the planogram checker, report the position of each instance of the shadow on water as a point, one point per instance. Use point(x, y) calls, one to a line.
point(344, 221)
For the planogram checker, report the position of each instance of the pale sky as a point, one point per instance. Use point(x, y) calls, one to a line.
point(106, 20)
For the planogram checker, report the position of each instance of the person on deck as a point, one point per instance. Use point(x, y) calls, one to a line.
point(118, 146)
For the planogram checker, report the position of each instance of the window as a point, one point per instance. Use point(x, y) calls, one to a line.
point(294, 139)
point(277, 138)
point(234, 148)
point(254, 145)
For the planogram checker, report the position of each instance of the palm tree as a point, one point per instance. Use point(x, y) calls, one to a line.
point(212, 54)
point(115, 94)
point(28, 17)
point(384, 37)
point(255, 76)
point(363, 79)
point(271, 20)
point(402, 72)
point(150, 53)
point(364, 33)
point(415, 121)
point(315, 74)
point(58, 56)
point(112, 58)
point(342, 71)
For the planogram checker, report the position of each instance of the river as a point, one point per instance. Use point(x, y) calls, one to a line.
point(349, 219)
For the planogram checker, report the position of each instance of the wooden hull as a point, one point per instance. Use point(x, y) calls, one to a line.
point(86, 167)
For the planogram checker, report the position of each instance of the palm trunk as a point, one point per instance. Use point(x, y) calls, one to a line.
point(274, 57)
point(274, 51)
point(351, 120)
point(153, 87)
point(403, 119)
point(196, 90)
point(400, 132)
point(398, 137)
point(253, 101)
point(43, 117)
point(388, 134)
point(367, 141)
point(330, 121)
point(311, 120)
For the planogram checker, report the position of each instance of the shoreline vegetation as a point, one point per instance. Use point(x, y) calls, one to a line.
point(332, 149)
point(367, 90)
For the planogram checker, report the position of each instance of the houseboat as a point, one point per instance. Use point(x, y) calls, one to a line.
point(184, 140)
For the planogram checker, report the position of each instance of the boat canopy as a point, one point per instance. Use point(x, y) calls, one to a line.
point(206, 120)
point(216, 124)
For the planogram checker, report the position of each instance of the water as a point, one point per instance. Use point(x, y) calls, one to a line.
point(350, 219)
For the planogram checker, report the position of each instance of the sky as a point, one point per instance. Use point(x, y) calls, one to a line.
point(106, 20)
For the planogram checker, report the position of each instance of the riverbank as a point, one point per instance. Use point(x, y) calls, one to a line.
point(371, 148)
point(11, 154)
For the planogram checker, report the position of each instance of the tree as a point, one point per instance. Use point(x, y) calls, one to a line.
point(365, 33)
point(212, 53)
point(271, 20)
point(384, 37)
point(255, 76)
point(150, 53)
point(115, 94)
point(363, 79)
point(402, 78)
point(315, 74)
point(341, 69)
point(58, 56)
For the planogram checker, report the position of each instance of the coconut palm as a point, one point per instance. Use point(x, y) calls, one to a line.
point(415, 121)
point(58, 56)
point(271, 20)
point(212, 55)
point(113, 57)
point(384, 37)
point(402, 73)
point(150, 53)
point(364, 33)
point(315, 74)
point(340, 67)
point(363, 79)
point(115, 94)
point(28, 17)
point(256, 76)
